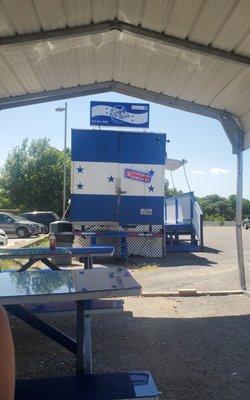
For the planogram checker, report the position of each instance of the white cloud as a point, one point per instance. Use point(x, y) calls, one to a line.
point(197, 172)
point(217, 171)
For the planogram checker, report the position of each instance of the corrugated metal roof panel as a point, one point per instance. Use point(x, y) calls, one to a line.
point(104, 57)
point(22, 15)
point(17, 61)
point(85, 58)
point(240, 105)
point(6, 27)
point(52, 14)
point(161, 66)
point(79, 12)
point(244, 46)
point(142, 57)
point(9, 81)
point(222, 75)
point(123, 57)
point(236, 28)
point(104, 10)
point(155, 12)
point(143, 63)
point(183, 17)
point(130, 11)
point(233, 90)
point(209, 23)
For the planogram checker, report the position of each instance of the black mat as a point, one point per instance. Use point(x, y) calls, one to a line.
point(82, 387)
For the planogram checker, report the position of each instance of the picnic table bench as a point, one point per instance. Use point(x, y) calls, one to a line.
point(114, 386)
point(44, 254)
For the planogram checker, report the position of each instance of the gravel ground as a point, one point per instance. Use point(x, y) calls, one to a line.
point(196, 348)
point(213, 269)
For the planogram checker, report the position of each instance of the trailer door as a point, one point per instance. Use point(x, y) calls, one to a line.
point(140, 183)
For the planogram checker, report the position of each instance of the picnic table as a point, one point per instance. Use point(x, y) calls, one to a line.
point(44, 254)
point(82, 286)
point(45, 286)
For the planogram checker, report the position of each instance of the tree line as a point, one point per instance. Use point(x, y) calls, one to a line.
point(32, 177)
point(32, 180)
point(215, 207)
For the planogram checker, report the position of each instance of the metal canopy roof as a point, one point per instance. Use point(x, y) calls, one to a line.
point(173, 164)
point(188, 54)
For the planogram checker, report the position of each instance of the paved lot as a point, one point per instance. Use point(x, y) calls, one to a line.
point(196, 348)
point(213, 269)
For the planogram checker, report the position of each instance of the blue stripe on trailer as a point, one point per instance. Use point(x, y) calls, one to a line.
point(90, 145)
point(94, 208)
point(130, 210)
point(100, 208)
point(123, 147)
point(142, 148)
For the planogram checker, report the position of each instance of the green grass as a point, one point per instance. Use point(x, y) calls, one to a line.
point(43, 243)
point(16, 264)
point(10, 264)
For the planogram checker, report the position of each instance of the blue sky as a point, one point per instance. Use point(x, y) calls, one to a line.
point(211, 167)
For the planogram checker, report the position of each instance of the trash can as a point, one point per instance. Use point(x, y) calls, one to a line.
point(63, 231)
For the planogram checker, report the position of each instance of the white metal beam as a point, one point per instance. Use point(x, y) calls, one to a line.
point(228, 121)
point(158, 37)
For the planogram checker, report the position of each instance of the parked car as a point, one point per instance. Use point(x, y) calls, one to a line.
point(246, 223)
point(41, 217)
point(3, 238)
point(22, 227)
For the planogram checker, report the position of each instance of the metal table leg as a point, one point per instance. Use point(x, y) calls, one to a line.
point(88, 263)
point(83, 339)
point(79, 337)
point(48, 330)
point(50, 264)
point(45, 261)
point(124, 249)
point(87, 350)
point(28, 264)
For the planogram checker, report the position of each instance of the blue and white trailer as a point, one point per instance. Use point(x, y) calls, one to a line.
point(117, 189)
point(118, 177)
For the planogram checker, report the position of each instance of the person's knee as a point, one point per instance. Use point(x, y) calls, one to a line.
point(2, 314)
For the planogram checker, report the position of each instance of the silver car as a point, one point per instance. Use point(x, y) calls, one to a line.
point(3, 238)
point(246, 223)
point(21, 227)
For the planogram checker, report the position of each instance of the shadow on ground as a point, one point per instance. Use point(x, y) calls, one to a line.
point(212, 250)
point(190, 358)
point(173, 260)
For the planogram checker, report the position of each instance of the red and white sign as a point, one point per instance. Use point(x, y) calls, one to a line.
point(137, 175)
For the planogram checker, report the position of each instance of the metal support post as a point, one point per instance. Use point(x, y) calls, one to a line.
point(239, 194)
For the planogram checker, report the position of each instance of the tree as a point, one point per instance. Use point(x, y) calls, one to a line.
point(245, 205)
point(32, 177)
point(216, 207)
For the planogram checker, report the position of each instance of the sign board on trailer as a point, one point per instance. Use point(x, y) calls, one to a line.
point(134, 115)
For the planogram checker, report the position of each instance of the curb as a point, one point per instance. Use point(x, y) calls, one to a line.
point(192, 293)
